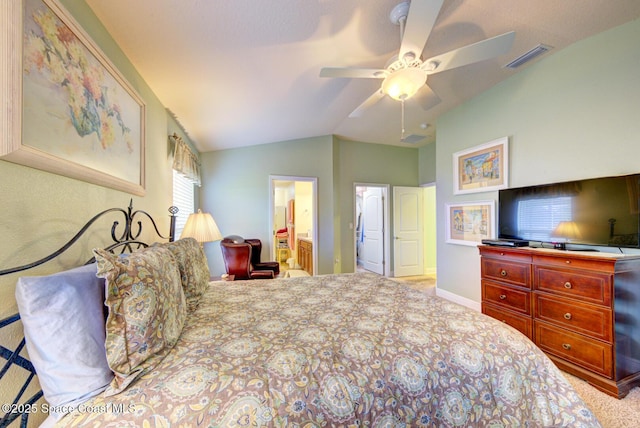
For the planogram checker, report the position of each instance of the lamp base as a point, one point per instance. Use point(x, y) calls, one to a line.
point(560, 246)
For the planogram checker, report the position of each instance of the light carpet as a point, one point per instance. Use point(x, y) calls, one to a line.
point(611, 412)
point(426, 283)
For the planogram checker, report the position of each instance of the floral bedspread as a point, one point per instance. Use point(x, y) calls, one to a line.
point(342, 350)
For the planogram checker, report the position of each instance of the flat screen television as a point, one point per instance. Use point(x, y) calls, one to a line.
point(597, 212)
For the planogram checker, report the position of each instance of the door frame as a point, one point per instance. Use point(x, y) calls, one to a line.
point(386, 190)
point(314, 212)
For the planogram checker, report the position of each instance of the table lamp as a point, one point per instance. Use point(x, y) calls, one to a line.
point(202, 228)
point(567, 230)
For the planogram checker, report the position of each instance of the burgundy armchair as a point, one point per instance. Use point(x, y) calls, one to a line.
point(239, 256)
point(256, 246)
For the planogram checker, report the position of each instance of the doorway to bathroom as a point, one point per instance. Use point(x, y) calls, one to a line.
point(293, 222)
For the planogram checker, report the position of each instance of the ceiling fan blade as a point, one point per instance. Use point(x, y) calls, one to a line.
point(374, 98)
point(420, 21)
point(426, 98)
point(469, 54)
point(354, 72)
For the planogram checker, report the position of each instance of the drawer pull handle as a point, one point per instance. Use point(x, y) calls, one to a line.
point(503, 296)
point(567, 316)
point(566, 346)
point(567, 285)
point(503, 272)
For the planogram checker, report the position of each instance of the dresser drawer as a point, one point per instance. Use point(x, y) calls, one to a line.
point(506, 271)
point(589, 353)
point(509, 297)
point(506, 254)
point(594, 321)
point(584, 263)
point(521, 323)
point(580, 285)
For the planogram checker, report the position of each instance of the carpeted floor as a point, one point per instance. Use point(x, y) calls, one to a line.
point(425, 283)
point(611, 412)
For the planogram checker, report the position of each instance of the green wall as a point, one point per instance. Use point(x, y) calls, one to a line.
point(572, 115)
point(371, 164)
point(41, 211)
point(427, 160)
point(236, 189)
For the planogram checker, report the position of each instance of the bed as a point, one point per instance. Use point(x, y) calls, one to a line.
point(343, 350)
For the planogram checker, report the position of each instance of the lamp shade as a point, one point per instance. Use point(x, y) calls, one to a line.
point(568, 230)
point(201, 227)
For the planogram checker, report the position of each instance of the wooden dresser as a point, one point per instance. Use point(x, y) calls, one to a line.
point(581, 308)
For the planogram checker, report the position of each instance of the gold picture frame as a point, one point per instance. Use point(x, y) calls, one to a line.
point(470, 222)
point(68, 110)
point(482, 168)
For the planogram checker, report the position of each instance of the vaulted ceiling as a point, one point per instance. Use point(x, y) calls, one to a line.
point(245, 72)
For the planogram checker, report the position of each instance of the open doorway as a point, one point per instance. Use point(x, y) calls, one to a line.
point(372, 249)
point(427, 226)
point(293, 223)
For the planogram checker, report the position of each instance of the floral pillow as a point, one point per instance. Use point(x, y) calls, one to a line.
point(147, 311)
point(194, 270)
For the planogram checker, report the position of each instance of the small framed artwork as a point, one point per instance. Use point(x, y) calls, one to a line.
point(482, 168)
point(470, 223)
point(71, 111)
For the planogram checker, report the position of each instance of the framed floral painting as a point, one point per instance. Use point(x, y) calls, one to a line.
point(73, 113)
point(470, 223)
point(482, 168)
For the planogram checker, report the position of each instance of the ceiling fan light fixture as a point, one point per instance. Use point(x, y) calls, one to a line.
point(403, 84)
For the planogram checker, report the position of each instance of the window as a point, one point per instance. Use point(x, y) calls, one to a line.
point(183, 198)
point(537, 218)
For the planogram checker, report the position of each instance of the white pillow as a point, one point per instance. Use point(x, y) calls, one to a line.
point(63, 319)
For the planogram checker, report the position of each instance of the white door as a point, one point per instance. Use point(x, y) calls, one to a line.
point(373, 230)
point(407, 231)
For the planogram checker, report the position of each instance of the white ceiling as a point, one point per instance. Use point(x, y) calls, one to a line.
point(244, 72)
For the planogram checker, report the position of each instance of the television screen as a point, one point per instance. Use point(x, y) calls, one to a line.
point(597, 211)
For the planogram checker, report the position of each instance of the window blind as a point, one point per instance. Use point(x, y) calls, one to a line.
point(537, 218)
point(183, 198)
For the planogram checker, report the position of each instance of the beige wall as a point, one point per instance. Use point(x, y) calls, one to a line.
point(572, 115)
point(303, 208)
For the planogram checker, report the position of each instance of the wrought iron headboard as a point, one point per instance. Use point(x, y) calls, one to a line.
point(125, 241)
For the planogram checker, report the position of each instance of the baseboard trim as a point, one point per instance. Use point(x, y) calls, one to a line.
point(459, 299)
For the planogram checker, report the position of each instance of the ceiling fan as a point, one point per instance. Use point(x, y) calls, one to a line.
point(406, 73)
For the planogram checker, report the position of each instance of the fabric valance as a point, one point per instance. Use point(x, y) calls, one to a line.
point(185, 161)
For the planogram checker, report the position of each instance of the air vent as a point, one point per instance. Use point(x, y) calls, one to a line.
point(413, 138)
point(528, 56)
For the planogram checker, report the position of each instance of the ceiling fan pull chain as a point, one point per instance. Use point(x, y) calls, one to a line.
point(402, 119)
